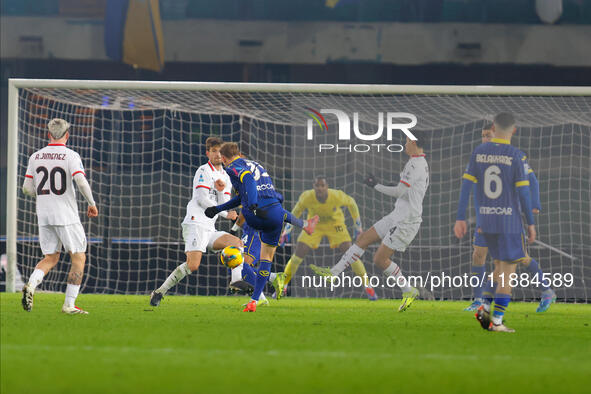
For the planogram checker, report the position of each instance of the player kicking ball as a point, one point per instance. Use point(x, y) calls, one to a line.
point(485, 291)
point(499, 171)
point(396, 230)
point(261, 207)
point(243, 276)
point(49, 179)
point(211, 186)
point(327, 204)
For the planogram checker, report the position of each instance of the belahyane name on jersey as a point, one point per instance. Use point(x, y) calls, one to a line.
point(494, 159)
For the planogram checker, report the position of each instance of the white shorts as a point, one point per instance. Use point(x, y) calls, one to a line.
point(395, 235)
point(198, 238)
point(70, 236)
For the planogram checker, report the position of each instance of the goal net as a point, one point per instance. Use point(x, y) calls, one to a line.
point(142, 142)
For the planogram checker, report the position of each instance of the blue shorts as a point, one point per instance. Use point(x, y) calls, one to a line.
point(506, 247)
point(252, 243)
point(268, 221)
point(479, 239)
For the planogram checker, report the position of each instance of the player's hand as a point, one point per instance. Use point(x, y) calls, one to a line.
point(92, 211)
point(531, 231)
point(535, 211)
point(232, 215)
point(460, 228)
point(219, 185)
point(211, 212)
point(370, 180)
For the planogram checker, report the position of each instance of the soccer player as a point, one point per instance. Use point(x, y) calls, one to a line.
point(49, 179)
point(396, 230)
point(327, 204)
point(500, 172)
point(211, 186)
point(261, 207)
point(243, 277)
point(481, 250)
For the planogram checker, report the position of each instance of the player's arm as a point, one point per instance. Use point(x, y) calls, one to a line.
point(353, 209)
point(29, 186)
point(394, 191)
point(522, 185)
point(468, 181)
point(77, 170)
point(29, 183)
point(534, 188)
point(223, 196)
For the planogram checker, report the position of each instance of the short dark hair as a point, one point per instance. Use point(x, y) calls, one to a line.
point(504, 121)
point(212, 142)
point(319, 178)
point(230, 150)
point(422, 137)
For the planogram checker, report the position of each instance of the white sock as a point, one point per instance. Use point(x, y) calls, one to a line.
point(262, 298)
point(175, 277)
point(272, 276)
point(497, 320)
point(36, 278)
point(71, 294)
point(394, 271)
point(236, 274)
point(352, 254)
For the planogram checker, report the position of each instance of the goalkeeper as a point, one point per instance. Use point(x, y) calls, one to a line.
point(327, 204)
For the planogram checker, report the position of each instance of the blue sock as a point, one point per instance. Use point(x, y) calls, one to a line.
point(289, 218)
point(480, 272)
point(249, 275)
point(488, 291)
point(262, 278)
point(534, 268)
point(501, 304)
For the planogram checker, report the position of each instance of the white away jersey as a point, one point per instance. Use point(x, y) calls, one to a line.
point(204, 179)
point(52, 169)
point(415, 176)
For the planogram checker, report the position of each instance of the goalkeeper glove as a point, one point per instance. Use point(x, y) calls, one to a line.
point(370, 181)
point(211, 212)
point(358, 229)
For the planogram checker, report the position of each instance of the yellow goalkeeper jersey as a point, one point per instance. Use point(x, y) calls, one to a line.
point(330, 211)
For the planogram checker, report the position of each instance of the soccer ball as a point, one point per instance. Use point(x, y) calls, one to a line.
point(231, 257)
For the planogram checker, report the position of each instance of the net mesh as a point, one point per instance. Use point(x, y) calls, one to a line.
point(141, 149)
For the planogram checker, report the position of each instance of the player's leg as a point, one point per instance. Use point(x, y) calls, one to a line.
point(548, 296)
point(196, 240)
point(502, 296)
point(478, 270)
point(359, 269)
point(394, 275)
point(50, 247)
point(304, 246)
point(354, 253)
point(78, 260)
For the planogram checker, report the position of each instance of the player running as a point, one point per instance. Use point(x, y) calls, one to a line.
point(261, 207)
point(500, 172)
point(327, 204)
point(396, 230)
point(211, 186)
point(49, 179)
point(481, 250)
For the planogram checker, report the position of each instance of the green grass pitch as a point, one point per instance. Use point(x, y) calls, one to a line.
point(206, 344)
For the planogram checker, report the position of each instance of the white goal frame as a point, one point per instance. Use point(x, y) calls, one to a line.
point(13, 110)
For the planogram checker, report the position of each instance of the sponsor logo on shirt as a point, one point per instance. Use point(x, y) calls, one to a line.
point(496, 211)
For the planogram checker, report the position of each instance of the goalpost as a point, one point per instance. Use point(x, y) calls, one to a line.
point(141, 143)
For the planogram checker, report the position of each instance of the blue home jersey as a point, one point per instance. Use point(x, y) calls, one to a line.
point(498, 169)
point(238, 168)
